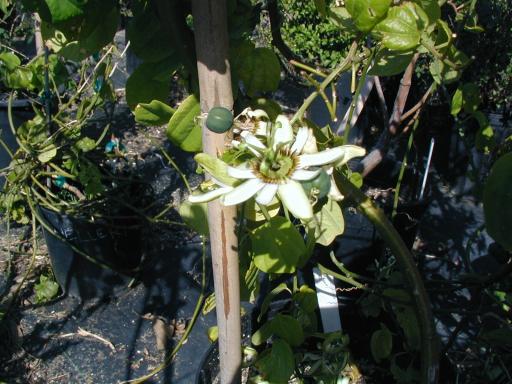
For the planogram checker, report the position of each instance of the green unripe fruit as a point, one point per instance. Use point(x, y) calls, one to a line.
point(219, 120)
point(319, 186)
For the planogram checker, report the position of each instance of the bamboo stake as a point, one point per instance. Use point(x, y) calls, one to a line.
point(211, 37)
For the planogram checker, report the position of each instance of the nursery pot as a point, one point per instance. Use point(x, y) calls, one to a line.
point(209, 367)
point(21, 112)
point(89, 259)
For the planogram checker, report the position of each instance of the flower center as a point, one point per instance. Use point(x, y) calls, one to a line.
point(275, 167)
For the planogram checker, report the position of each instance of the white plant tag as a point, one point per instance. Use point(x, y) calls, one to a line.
point(327, 301)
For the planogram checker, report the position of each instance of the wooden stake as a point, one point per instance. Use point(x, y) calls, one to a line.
point(212, 45)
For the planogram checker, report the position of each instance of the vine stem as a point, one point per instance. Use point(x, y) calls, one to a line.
point(355, 96)
point(345, 65)
point(422, 306)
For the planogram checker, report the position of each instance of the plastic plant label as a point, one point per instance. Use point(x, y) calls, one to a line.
point(327, 301)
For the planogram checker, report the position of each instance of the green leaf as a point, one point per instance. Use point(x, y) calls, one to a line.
point(471, 97)
point(288, 329)
point(381, 343)
point(86, 144)
point(409, 323)
point(253, 212)
point(340, 17)
point(262, 334)
point(90, 177)
point(194, 215)
point(4, 7)
point(21, 77)
point(257, 68)
point(62, 10)
point(457, 101)
point(46, 289)
point(399, 30)
point(154, 113)
point(485, 140)
point(277, 246)
point(329, 223)
point(306, 299)
point(145, 32)
point(99, 26)
point(389, 63)
point(183, 130)
point(269, 297)
point(49, 153)
point(10, 60)
point(150, 81)
point(215, 167)
point(431, 8)
point(213, 334)
point(443, 73)
point(249, 275)
point(356, 178)
point(85, 33)
point(367, 13)
point(498, 201)
point(278, 364)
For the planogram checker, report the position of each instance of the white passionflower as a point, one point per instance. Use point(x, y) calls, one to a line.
point(277, 168)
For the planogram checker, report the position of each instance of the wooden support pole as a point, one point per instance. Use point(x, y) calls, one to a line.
point(212, 45)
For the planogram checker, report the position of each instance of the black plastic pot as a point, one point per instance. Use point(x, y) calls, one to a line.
point(21, 112)
point(209, 367)
point(112, 253)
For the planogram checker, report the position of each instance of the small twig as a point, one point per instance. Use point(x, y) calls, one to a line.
point(375, 156)
point(84, 333)
point(382, 101)
point(13, 50)
point(401, 97)
point(419, 104)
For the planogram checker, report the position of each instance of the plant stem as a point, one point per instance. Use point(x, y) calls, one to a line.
point(402, 170)
point(345, 65)
point(341, 277)
point(355, 98)
point(307, 68)
point(422, 306)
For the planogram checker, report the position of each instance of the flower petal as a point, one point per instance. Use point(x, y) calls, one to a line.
point(243, 192)
point(209, 196)
point(310, 146)
point(261, 128)
point(257, 114)
point(300, 140)
point(267, 194)
point(283, 133)
point(351, 151)
point(303, 174)
point(334, 192)
point(294, 198)
point(328, 156)
point(241, 173)
point(252, 140)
